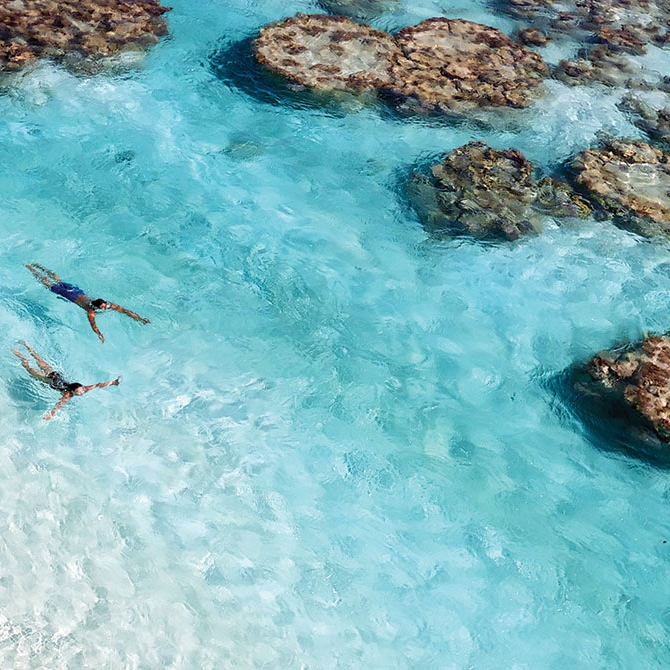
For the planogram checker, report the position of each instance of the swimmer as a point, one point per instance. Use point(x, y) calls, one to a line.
point(74, 294)
point(47, 375)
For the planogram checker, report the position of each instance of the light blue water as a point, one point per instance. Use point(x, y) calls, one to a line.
point(335, 446)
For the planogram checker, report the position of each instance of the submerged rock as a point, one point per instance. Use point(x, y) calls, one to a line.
point(630, 180)
point(629, 39)
point(622, 398)
point(559, 16)
point(615, 29)
point(489, 193)
point(363, 10)
point(533, 37)
point(439, 65)
point(652, 120)
point(602, 65)
point(608, 60)
point(639, 376)
point(85, 29)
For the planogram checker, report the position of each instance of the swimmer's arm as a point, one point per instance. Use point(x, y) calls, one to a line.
point(127, 312)
point(57, 406)
point(101, 385)
point(91, 320)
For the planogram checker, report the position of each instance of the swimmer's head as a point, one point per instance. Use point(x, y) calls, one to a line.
point(99, 303)
point(76, 388)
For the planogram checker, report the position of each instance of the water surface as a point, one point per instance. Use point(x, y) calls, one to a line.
point(336, 445)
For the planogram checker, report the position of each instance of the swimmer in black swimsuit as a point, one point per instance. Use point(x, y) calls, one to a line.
point(47, 375)
point(74, 294)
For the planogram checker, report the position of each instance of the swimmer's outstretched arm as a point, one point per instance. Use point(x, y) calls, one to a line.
point(47, 277)
point(101, 385)
point(91, 320)
point(127, 312)
point(84, 389)
point(66, 396)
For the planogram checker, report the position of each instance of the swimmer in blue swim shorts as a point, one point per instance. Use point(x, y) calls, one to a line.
point(47, 375)
point(75, 295)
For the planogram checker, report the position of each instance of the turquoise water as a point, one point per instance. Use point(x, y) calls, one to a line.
point(337, 444)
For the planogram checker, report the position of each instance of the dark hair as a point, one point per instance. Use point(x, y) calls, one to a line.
point(98, 303)
point(73, 387)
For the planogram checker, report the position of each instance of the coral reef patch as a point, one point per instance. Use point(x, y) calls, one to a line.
point(455, 65)
point(631, 181)
point(652, 119)
point(489, 194)
point(77, 32)
point(640, 375)
point(614, 30)
point(440, 65)
point(622, 397)
point(328, 53)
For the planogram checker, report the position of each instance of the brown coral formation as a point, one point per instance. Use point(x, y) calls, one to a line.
point(489, 193)
point(32, 29)
point(556, 16)
point(327, 52)
point(452, 65)
point(439, 65)
point(533, 37)
point(631, 180)
point(640, 377)
point(616, 29)
point(608, 60)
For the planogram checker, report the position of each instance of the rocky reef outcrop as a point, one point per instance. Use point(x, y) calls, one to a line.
point(489, 194)
point(605, 66)
point(613, 30)
point(631, 181)
point(453, 65)
point(76, 31)
point(439, 65)
point(583, 18)
point(328, 53)
point(622, 398)
point(533, 37)
point(640, 375)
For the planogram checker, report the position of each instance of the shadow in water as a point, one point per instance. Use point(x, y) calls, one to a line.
point(235, 65)
point(393, 106)
point(24, 391)
point(608, 422)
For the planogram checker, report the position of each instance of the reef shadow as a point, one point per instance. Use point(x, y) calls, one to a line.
point(608, 423)
point(235, 65)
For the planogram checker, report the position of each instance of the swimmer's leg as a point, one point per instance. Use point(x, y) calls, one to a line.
point(47, 277)
point(26, 364)
point(43, 365)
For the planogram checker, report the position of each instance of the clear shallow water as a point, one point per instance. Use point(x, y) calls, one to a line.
point(336, 445)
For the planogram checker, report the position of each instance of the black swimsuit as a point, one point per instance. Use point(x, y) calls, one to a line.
point(58, 382)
